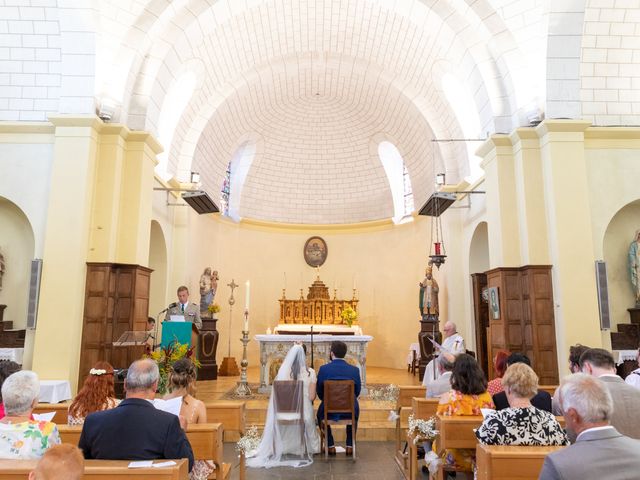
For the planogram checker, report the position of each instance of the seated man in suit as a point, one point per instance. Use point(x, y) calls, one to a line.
point(600, 451)
point(626, 399)
point(338, 369)
point(135, 430)
point(444, 363)
point(541, 400)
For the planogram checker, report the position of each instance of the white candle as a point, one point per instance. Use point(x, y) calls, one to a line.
point(246, 298)
point(246, 322)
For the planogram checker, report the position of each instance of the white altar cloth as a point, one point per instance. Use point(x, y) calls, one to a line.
point(54, 391)
point(12, 354)
point(275, 347)
point(318, 329)
point(620, 356)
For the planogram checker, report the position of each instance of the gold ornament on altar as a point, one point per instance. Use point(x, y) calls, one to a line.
point(318, 308)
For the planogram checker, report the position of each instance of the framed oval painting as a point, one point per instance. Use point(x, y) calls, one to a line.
point(315, 251)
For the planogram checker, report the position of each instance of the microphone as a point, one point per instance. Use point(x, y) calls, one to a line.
point(174, 304)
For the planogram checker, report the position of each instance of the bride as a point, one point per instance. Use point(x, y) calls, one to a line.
point(279, 441)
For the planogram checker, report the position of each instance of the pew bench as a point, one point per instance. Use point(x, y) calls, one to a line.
point(422, 408)
point(499, 462)
point(232, 416)
point(60, 409)
point(205, 440)
point(403, 408)
point(101, 470)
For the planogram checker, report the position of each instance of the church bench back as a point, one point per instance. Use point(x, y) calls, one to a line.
point(424, 408)
point(457, 431)
point(407, 392)
point(60, 410)
point(230, 414)
point(101, 470)
point(205, 440)
point(548, 388)
point(499, 462)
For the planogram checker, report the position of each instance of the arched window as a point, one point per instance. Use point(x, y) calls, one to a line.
point(234, 179)
point(464, 107)
point(399, 181)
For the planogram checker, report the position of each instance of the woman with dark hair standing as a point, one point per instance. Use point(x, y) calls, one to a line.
point(97, 394)
point(467, 396)
point(499, 366)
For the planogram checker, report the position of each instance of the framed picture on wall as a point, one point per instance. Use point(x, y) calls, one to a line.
point(494, 302)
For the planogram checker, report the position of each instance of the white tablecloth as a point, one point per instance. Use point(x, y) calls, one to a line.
point(54, 391)
point(622, 355)
point(13, 354)
point(414, 347)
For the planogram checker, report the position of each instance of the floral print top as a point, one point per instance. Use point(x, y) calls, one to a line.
point(27, 440)
point(456, 403)
point(521, 426)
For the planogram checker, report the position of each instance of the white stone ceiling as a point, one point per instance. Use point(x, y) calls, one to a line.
point(317, 84)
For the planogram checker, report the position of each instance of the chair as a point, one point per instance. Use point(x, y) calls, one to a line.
point(413, 358)
point(339, 397)
point(288, 403)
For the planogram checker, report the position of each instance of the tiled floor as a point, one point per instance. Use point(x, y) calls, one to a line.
point(375, 461)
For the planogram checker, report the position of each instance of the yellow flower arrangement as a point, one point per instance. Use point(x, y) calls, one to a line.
point(213, 308)
point(165, 357)
point(349, 315)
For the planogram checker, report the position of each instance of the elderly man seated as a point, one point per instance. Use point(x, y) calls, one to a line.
point(135, 430)
point(453, 344)
point(442, 385)
point(600, 450)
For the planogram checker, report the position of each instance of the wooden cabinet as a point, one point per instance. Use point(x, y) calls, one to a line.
point(526, 321)
point(116, 300)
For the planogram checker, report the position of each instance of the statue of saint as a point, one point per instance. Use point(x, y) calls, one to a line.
point(429, 294)
point(208, 287)
point(634, 266)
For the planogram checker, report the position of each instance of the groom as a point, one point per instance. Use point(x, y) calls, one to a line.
point(338, 369)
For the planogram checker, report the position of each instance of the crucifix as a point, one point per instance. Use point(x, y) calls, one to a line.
point(229, 366)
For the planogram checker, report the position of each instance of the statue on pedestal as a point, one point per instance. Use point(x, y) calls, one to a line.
point(634, 266)
point(428, 302)
point(208, 287)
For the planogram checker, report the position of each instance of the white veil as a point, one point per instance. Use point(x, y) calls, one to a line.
point(283, 444)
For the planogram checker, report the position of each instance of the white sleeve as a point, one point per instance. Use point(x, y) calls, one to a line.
point(633, 379)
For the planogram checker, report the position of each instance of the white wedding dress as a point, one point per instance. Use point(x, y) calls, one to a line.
point(281, 443)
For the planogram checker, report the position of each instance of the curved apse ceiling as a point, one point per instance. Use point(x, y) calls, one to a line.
point(316, 84)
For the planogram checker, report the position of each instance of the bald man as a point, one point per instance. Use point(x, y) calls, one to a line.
point(453, 344)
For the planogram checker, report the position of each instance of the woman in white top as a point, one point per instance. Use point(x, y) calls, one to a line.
point(281, 443)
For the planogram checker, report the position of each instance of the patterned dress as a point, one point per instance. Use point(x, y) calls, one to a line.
point(109, 404)
point(27, 440)
point(495, 386)
point(521, 426)
point(454, 403)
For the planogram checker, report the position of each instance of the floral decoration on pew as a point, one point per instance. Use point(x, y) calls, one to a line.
point(422, 430)
point(388, 393)
point(249, 442)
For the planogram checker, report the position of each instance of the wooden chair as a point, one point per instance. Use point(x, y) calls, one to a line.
point(498, 462)
point(102, 470)
point(339, 397)
point(288, 403)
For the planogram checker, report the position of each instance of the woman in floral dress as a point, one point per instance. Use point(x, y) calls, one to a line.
point(21, 437)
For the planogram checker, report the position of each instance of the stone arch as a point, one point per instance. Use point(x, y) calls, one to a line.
point(479, 249)
point(17, 244)
point(615, 247)
point(157, 262)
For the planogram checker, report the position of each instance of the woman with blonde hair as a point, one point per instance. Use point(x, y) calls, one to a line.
point(521, 423)
point(96, 394)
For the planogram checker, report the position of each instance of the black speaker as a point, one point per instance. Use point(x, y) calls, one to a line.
point(34, 292)
point(603, 294)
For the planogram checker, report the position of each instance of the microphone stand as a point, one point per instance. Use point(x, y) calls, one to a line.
point(312, 345)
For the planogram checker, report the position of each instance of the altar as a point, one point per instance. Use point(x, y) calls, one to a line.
point(273, 349)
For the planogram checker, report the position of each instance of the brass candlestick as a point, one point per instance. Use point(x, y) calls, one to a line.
point(243, 390)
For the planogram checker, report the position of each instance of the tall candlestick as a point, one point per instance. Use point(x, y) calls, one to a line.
point(246, 298)
point(246, 321)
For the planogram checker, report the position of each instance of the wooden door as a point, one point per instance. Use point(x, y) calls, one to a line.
point(481, 322)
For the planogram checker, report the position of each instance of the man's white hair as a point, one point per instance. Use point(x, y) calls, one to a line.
point(142, 375)
point(19, 391)
point(452, 325)
point(588, 396)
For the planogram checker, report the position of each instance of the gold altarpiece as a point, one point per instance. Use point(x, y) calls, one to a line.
point(317, 309)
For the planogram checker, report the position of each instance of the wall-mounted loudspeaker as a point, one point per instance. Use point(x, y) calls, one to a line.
point(34, 292)
point(603, 295)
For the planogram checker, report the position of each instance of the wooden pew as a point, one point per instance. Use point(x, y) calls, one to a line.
point(205, 440)
point(232, 416)
point(548, 388)
point(101, 470)
point(60, 409)
point(498, 462)
point(422, 408)
point(403, 408)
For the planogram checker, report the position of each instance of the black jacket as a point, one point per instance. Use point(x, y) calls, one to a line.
point(541, 400)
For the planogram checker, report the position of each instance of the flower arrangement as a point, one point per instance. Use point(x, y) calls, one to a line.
point(165, 357)
point(213, 308)
point(249, 442)
point(422, 429)
point(389, 393)
point(349, 315)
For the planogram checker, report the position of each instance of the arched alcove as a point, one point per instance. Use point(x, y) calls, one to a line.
point(158, 262)
point(17, 244)
point(479, 249)
point(617, 238)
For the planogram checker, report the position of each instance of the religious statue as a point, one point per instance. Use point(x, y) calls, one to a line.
point(634, 266)
point(429, 294)
point(2, 268)
point(208, 287)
